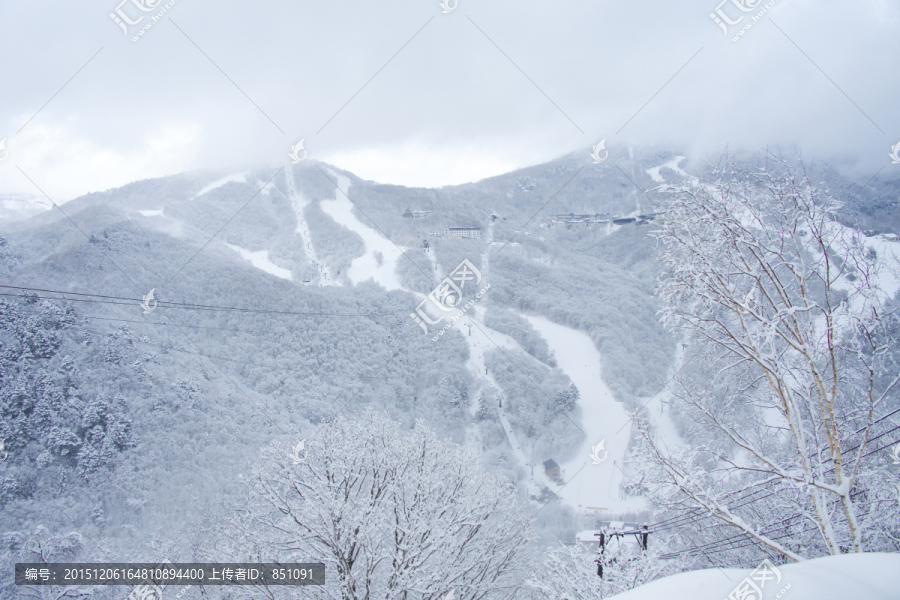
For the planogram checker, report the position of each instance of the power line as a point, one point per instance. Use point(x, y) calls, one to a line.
point(714, 544)
point(179, 305)
point(682, 520)
point(730, 541)
point(133, 322)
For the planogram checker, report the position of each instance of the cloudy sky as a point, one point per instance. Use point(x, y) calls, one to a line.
point(403, 92)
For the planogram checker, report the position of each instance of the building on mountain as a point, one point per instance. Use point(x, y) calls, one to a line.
point(416, 214)
point(459, 232)
point(571, 219)
point(551, 469)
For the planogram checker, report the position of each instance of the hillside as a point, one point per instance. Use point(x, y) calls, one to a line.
point(284, 296)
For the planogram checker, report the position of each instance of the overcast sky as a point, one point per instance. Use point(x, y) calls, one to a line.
point(401, 92)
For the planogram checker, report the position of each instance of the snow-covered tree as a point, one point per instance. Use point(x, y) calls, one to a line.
point(569, 572)
point(392, 514)
point(38, 545)
point(567, 399)
point(790, 314)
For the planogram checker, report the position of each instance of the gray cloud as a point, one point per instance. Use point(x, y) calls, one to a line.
point(476, 92)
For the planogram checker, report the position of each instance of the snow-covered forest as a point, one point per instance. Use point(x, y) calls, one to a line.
point(736, 357)
point(449, 300)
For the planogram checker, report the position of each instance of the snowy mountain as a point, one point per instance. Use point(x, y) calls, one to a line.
point(284, 296)
point(16, 207)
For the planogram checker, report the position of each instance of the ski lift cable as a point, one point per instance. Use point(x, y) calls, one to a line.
point(877, 449)
point(179, 305)
point(243, 310)
point(695, 550)
point(161, 324)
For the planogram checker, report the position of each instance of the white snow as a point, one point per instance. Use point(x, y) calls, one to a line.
point(481, 339)
point(15, 207)
point(659, 405)
point(298, 203)
point(590, 486)
point(367, 266)
point(152, 213)
point(889, 279)
point(239, 177)
point(868, 576)
point(260, 260)
point(672, 164)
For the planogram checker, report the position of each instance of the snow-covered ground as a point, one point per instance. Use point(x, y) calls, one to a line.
point(590, 486)
point(659, 404)
point(298, 203)
point(242, 177)
point(152, 213)
point(260, 260)
point(672, 164)
point(481, 339)
point(380, 259)
point(868, 576)
point(15, 207)
point(888, 257)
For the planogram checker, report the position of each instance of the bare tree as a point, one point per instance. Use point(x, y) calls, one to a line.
point(791, 314)
point(392, 514)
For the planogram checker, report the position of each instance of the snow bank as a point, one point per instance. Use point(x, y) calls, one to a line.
point(260, 260)
point(869, 576)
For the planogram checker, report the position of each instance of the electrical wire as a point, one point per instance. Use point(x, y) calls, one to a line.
point(685, 520)
point(179, 305)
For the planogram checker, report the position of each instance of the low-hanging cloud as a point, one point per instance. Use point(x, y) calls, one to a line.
point(405, 93)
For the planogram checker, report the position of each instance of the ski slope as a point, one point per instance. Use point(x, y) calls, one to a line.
point(672, 164)
point(379, 262)
point(298, 203)
point(260, 260)
point(481, 339)
point(591, 486)
point(237, 177)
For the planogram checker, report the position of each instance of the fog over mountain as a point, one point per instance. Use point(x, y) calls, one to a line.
point(406, 93)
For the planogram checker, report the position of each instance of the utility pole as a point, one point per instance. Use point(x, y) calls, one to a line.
point(602, 535)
